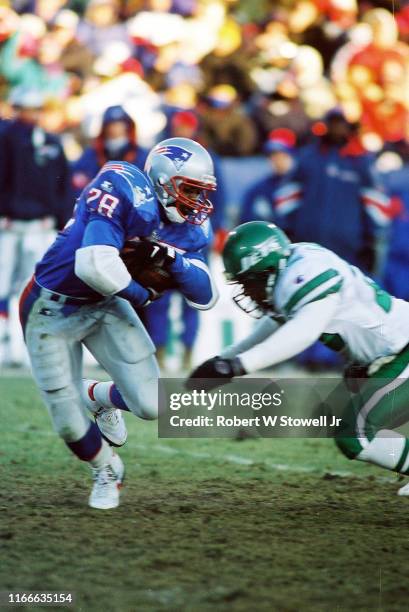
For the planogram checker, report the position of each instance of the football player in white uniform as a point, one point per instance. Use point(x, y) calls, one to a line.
point(306, 293)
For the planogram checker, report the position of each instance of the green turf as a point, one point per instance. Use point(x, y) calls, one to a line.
point(203, 525)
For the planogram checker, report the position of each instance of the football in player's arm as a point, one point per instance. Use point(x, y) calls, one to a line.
point(85, 290)
point(306, 293)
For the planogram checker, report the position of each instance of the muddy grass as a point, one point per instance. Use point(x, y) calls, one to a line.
point(196, 534)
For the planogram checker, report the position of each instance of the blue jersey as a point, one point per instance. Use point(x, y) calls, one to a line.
point(117, 206)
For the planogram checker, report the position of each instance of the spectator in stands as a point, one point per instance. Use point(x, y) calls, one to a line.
point(45, 9)
point(341, 206)
point(230, 62)
point(117, 140)
point(396, 273)
point(275, 190)
point(75, 57)
point(101, 26)
point(225, 126)
point(374, 76)
point(36, 198)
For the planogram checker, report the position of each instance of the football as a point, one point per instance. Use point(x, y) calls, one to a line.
point(155, 278)
point(148, 274)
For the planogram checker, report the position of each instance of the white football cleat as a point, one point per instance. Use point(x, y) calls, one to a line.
point(404, 491)
point(107, 483)
point(109, 420)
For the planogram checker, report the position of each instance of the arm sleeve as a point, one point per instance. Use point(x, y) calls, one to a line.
point(194, 281)
point(293, 337)
point(101, 231)
point(101, 268)
point(262, 330)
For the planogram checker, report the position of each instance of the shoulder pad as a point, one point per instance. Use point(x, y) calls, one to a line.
point(131, 180)
point(308, 277)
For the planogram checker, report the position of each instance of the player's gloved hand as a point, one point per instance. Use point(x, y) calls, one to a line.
point(355, 375)
point(145, 252)
point(217, 371)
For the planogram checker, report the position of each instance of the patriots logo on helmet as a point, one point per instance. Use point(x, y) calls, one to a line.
point(178, 155)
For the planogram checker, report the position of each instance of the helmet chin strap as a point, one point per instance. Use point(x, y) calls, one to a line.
point(173, 214)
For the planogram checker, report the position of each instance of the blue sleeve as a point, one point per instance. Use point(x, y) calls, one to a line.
point(100, 231)
point(107, 210)
point(194, 280)
point(134, 293)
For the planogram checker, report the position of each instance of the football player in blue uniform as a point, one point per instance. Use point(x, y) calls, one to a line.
point(83, 294)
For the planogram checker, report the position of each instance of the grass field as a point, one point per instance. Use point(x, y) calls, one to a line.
point(287, 525)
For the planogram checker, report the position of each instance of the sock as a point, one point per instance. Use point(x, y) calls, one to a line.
point(108, 396)
point(92, 447)
point(389, 450)
point(103, 456)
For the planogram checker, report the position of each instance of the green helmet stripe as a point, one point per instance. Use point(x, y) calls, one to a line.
point(309, 287)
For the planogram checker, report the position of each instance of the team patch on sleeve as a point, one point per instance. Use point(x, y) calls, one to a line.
point(310, 290)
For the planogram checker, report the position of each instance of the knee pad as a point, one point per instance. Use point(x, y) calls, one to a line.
point(142, 400)
point(65, 408)
point(50, 361)
point(138, 385)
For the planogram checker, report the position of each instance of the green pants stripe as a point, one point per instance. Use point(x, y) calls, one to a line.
point(382, 403)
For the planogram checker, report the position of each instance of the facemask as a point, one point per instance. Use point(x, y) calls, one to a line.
point(113, 145)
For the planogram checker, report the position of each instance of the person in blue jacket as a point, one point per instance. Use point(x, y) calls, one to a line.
point(342, 206)
point(396, 272)
point(116, 140)
point(35, 201)
point(275, 196)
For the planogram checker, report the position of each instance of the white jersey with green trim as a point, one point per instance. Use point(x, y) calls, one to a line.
point(368, 323)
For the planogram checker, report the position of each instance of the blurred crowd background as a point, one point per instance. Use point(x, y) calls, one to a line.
point(242, 67)
point(302, 103)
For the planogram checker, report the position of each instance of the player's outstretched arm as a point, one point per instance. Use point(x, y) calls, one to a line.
point(262, 330)
point(286, 342)
point(215, 372)
point(194, 281)
point(296, 335)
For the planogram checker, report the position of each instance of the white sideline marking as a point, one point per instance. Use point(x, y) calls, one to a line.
point(238, 460)
point(234, 459)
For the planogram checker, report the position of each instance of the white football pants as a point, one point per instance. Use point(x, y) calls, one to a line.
point(114, 335)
